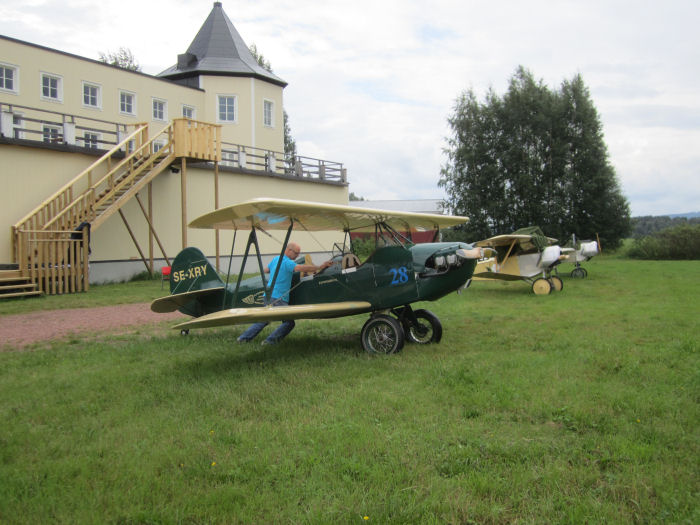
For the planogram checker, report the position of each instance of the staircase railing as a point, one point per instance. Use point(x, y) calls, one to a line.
point(78, 189)
point(50, 243)
point(57, 261)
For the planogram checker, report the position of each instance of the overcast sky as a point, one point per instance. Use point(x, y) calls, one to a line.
point(372, 82)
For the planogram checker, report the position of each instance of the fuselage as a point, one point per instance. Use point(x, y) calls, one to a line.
point(392, 276)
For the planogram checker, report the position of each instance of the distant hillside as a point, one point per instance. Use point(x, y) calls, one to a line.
point(642, 226)
point(690, 215)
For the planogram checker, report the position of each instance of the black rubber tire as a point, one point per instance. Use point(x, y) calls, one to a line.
point(579, 273)
point(425, 333)
point(382, 334)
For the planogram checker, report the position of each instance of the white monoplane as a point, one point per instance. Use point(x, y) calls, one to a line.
point(524, 255)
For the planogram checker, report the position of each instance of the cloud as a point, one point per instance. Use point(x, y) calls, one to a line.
point(371, 84)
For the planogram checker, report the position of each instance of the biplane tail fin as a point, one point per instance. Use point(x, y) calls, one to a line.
point(192, 271)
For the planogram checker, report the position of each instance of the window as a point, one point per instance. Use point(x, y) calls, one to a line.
point(92, 97)
point(51, 87)
point(9, 78)
point(227, 108)
point(127, 103)
point(17, 123)
point(187, 111)
point(268, 107)
point(91, 140)
point(160, 109)
point(52, 134)
point(228, 158)
point(158, 145)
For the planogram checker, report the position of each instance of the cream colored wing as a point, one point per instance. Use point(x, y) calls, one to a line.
point(505, 240)
point(502, 240)
point(276, 313)
point(275, 214)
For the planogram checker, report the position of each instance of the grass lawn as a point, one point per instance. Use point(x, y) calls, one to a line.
point(579, 407)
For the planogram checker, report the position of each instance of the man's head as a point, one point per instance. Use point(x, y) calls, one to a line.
point(293, 250)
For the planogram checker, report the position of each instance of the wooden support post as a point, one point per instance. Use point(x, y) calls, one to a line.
point(136, 243)
point(152, 232)
point(183, 197)
point(216, 207)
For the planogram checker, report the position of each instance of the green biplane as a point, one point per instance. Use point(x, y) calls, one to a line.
point(395, 275)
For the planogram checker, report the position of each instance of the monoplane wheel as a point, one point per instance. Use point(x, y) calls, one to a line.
point(382, 334)
point(541, 286)
point(184, 331)
point(428, 329)
point(578, 273)
point(557, 283)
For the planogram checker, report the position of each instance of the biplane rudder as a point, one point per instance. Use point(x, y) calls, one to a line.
point(191, 271)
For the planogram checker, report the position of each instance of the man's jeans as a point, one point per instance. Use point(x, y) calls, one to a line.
point(275, 337)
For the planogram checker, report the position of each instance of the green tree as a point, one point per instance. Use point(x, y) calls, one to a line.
point(290, 145)
point(532, 157)
point(122, 58)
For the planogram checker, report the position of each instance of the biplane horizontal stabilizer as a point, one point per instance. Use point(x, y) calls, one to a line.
point(276, 313)
point(174, 302)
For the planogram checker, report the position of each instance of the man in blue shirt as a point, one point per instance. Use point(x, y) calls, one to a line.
point(280, 293)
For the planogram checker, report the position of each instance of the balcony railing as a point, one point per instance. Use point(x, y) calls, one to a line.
point(53, 127)
point(250, 158)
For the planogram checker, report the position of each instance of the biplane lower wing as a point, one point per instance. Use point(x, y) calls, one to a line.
point(276, 313)
point(172, 303)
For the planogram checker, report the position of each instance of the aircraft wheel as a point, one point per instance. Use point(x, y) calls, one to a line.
point(428, 330)
point(542, 287)
point(579, 273)
point(184, 332)
point(557, 283)
point(382, 334)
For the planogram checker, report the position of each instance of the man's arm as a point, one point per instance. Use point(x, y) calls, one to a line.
point(312, 268)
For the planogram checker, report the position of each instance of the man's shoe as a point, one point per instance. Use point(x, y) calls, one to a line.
point(266, 343)
point(240, 340)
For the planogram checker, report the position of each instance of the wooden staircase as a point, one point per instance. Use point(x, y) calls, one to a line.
point(13, 284)
point(51, 243)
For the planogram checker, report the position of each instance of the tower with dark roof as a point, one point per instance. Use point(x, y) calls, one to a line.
point(218, 49)
point(240, 95)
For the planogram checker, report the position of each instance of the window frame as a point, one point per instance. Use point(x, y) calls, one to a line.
point(98, 94)
point(55, 138)
point(59, 87)
point(219, 97)
point(192, 109)
point(17, 123)
point(133, 102)
point(163, 109)
point(15, 78)
point(95, 139)
point(271, 123)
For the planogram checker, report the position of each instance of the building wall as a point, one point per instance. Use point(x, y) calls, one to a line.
point(73, 71)
point(30, 174)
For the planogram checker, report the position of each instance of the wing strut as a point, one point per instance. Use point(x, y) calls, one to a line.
point(268, 292)
point(228, 273)
point(252, 239)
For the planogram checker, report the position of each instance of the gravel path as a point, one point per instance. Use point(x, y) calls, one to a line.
point(19, 330)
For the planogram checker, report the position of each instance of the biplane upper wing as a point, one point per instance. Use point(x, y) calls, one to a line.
point(276, 313)
point(276, 214)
